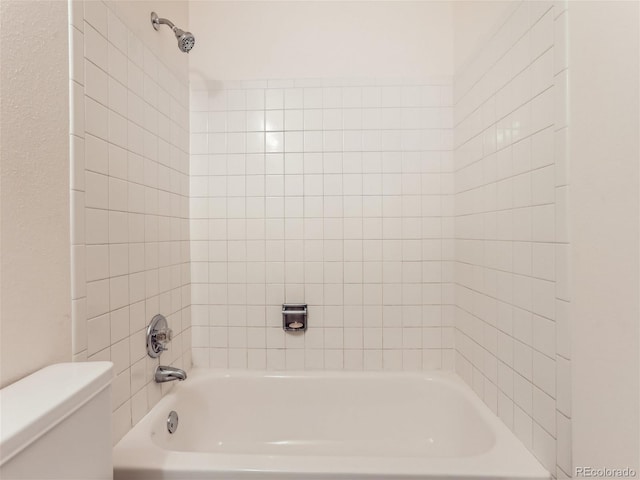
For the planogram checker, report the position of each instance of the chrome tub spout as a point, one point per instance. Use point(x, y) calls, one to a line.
point(168, 374)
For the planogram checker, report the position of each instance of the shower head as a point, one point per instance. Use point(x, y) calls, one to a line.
point(186, 40)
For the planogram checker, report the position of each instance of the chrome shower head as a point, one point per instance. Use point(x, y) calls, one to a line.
point(186, 40)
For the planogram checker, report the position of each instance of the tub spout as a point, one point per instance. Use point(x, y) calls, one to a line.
point(168, 374)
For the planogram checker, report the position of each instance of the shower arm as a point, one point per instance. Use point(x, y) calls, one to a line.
point(157, 21)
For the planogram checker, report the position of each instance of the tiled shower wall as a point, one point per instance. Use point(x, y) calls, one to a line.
point(336, 194)
point(511, 241)
point(130, 206)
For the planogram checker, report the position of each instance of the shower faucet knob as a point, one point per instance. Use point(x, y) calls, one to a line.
point(158, 335)
point(164, 335)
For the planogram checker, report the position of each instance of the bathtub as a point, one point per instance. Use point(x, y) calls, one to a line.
point(324, 425)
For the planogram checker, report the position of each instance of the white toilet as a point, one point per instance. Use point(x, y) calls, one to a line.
point(56, 424)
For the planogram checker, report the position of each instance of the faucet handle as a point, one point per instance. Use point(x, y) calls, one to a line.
point(158, 335)
point(164, 335)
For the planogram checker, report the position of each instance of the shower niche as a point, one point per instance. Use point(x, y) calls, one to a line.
point(294, 317)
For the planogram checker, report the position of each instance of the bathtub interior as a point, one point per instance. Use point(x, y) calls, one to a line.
point(270, 414)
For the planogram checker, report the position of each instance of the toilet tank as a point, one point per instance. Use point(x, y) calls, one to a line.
point(56, 424)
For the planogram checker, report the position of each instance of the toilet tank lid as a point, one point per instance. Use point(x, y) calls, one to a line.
point(33, 405)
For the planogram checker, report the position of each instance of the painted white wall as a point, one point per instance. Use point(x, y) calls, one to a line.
point(35, 320)
point(604, 213)
point(267, 40)
point(473, 23)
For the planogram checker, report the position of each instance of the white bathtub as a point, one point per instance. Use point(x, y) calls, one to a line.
point(249, 425)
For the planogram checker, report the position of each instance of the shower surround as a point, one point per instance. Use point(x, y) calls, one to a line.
point(129, 200)
point(338, 194)
point(423, 221)
point(512, 288)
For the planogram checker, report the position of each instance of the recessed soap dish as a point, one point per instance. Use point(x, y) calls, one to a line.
point(294, 317)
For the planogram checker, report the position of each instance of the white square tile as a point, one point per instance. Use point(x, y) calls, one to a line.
point(563, 383)
point(523, 427)
point(274, 99)
point(564, 454)
point(312, 98)
point(274, 142)
point(117, 65)
point(293, 98)
point(294, 119)
point(96, 119)
point(331, 97)
point(95, 46)
point(544, 447)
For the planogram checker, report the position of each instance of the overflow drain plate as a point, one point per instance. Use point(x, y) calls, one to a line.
point(172, 421)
